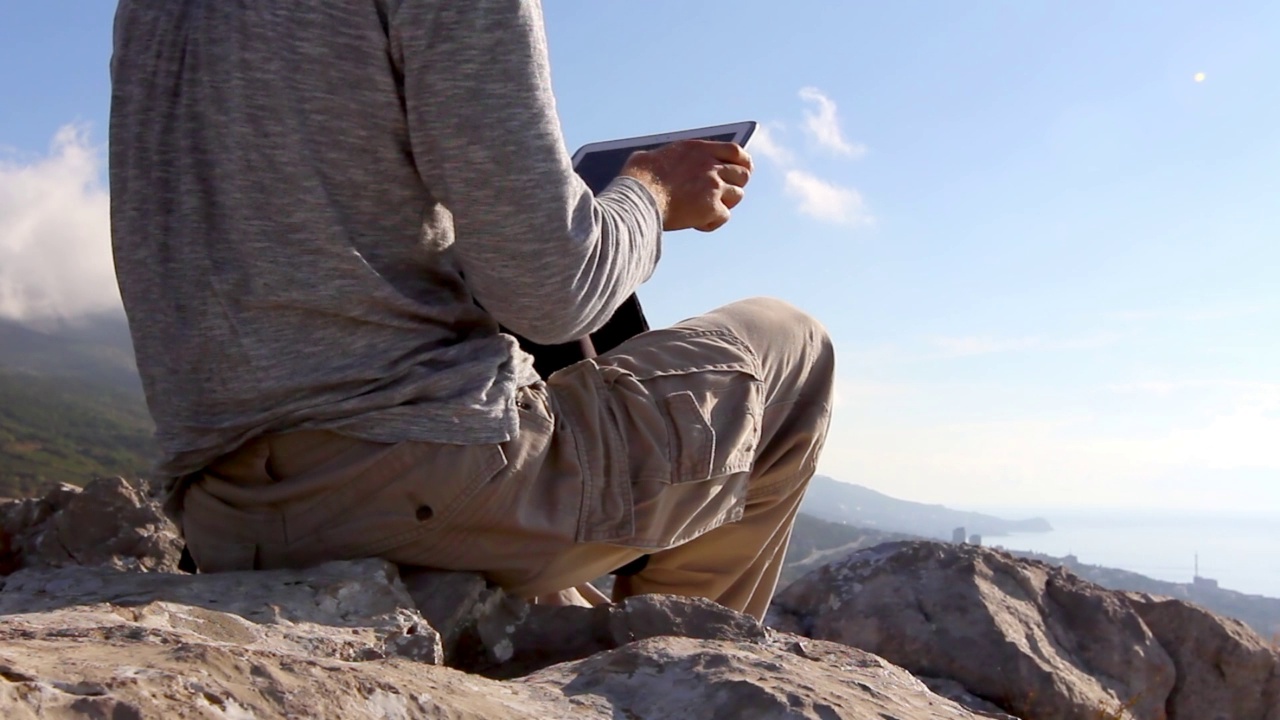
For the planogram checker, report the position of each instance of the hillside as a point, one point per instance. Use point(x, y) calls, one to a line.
point(843, 502)
point(816, 542)
point(67, 429)
point(71, 405)
point(97, 350)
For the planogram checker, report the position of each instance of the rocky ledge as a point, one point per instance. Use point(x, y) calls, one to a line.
point(992, 630)
point(97, 624)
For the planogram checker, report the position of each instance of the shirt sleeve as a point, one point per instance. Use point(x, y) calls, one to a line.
point(541, 253)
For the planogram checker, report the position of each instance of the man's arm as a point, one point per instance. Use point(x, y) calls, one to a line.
point(540, 253)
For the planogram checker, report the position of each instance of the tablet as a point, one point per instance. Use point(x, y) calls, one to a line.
point(599, 163)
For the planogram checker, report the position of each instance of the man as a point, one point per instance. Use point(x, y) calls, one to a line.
point(321, 213)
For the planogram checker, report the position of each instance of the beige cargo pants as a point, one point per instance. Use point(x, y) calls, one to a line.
point(692, 444)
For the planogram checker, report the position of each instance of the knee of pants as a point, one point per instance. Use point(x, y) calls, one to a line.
point(787, 340)
point(770, 318)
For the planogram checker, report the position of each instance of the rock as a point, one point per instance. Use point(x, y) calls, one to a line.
point(109, 523)
point(452, 602)
point(343, 610)
point(1032, 639)
point(1224, 670)
point(954, 691)
point(489, 633)
point(647, 616)
point(519, 638)
point(686, 679)
point(343, 640)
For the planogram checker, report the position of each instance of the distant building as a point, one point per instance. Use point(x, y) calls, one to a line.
point(1202, 582)
point(957, 536)
point(1205, 583)
point(975, 539)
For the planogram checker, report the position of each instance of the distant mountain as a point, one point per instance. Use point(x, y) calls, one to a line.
point(841, 502)
point(96, 349)
point(71, 405)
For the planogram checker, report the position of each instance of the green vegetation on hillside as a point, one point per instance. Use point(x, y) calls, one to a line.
point(60, 429)
point(816, 542)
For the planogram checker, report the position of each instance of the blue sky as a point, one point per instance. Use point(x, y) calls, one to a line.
point(1046, 251)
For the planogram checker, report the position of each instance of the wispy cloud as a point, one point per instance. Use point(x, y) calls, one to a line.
point(971, 345)
point(1225, 313)
point(765, 144)
point(1203, 314)
point(826, 201)
point(55, 247)
point(823, 123)
point(817, 197)
point(1162, 388)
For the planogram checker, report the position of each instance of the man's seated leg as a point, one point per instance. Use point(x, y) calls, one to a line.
point(758, 470)
point(693, 444)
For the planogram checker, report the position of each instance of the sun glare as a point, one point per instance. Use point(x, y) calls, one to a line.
point(1199, 77)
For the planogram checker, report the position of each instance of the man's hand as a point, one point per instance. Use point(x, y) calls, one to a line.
point(696, 182)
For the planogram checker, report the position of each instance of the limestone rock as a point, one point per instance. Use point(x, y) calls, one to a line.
point(487, 632)
point(686, 679)
point(1032, 639)
point(343, 640)
point(518, 638)
point(343, 610)
point(954, 691)
point(109, 523)
point(1224, 670)
point(454, 603)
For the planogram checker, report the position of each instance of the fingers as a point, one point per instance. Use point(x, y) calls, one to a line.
point(735, 175)
point(715, 224)
point(731, 192)
point(731, 195)
point(701, 181)
point(731, 153)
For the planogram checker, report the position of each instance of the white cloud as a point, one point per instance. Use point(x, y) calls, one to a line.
point(1168, 387)
point(823, 123)
point(1146, 387)
point(971, 345)
point(1211, 313)
point(764, 144)
point(55, 246)
point(826, 201)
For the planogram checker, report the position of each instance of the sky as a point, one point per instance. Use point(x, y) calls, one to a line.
point(1043, 236)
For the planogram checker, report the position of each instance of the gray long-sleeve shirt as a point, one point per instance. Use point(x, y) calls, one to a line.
point(309, 199)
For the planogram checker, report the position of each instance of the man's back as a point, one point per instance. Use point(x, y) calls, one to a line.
point(283, 176)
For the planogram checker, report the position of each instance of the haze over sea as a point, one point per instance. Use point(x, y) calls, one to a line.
point(1241, 551)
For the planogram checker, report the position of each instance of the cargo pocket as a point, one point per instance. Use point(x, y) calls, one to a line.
point(714, 432)
point(667, 429)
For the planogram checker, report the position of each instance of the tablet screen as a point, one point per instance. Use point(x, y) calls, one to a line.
point(600, 167)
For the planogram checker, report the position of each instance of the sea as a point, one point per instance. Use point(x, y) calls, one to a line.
point(1240, 551)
